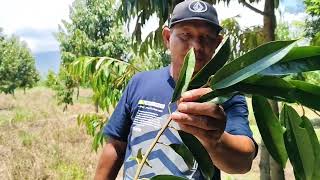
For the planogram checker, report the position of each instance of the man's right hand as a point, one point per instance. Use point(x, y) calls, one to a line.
point(111, 160)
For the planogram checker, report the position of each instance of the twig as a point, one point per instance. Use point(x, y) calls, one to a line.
point(150, 149)
point(253, 8)
point(140, 165)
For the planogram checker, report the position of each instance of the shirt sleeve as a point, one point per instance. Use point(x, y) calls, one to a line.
point(118, 125)
point(237, 116)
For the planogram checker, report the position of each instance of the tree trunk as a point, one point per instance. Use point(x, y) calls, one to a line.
point(264, 164)
point(276, 170)
point(269, 26)
point(269, 21)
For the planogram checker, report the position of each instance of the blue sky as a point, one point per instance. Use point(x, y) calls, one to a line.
point(35, 21)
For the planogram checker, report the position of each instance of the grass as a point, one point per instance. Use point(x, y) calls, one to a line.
point(40, 141)
point(70, 171)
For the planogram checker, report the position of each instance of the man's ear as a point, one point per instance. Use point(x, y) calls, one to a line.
point(166, 36)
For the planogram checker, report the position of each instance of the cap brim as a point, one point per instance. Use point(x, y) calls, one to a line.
point(217, 26)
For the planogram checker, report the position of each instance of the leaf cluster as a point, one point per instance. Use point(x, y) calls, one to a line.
point(92, 32)
point(17, 65)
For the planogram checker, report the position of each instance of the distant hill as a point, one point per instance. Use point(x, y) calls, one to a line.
point(46, 61)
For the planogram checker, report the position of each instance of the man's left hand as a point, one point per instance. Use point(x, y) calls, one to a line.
point(206, 121)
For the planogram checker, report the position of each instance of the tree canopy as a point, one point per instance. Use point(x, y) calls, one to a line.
point(17, 65)
point(313, 22)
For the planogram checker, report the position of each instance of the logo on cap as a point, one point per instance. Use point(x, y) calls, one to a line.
point(198, 6)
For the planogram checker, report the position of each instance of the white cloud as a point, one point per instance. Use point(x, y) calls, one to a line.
point(43, 16)
point(40, 15)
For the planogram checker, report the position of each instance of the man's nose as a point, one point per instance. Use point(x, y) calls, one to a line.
point(196, 44)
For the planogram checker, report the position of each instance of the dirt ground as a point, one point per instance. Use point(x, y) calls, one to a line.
point(40, 141)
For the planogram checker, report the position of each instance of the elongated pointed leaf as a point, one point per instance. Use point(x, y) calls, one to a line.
point(139, 158)
point(276, 88)
point(219, 59)
point(306, 94)
point(218, 96)
point(167, 177)
point(315, 145)
point(299, 145)
point(185, 75)
point(299, 59)
point(270, 129)
point(185, 153)
point(200, 154)
point(257, 85)
point(302, 52)
point(250, 63)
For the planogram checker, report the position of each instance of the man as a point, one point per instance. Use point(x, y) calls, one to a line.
point(223, 130)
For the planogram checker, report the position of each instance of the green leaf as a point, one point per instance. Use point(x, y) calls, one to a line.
point(298, 143)
point(167, 177)
point(218, 96)
point(270, 129)
point(292, 91)
point(200, 154)
point(261, 85)
point(299, 59)
point(185, 153)
point(315, 145)
point(184, 75)
point(139, 158)
point(302, 52)
point(219, 59)
point(250, 63)
point(306, 94)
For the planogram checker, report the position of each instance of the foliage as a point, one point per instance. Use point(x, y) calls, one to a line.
point(17, 65)
point(242, 40)
point(51, 80)
point(313, 22)
point(91, 32)
point(93, 122)
point(108, 77)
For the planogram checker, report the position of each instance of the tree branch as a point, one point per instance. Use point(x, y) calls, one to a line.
point(253, 8)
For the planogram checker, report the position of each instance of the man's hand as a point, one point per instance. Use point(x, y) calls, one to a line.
point(207, 121)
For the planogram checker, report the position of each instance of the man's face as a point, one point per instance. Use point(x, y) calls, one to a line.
point(185, 35)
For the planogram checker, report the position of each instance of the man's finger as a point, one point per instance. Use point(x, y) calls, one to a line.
point(205, 109)
point(194, 94)
point(202, 122)
point(200, 133)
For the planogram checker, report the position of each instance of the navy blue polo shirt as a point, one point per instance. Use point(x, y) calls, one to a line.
point(142, 110)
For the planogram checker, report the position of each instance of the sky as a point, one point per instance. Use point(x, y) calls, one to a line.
point(35, 21)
